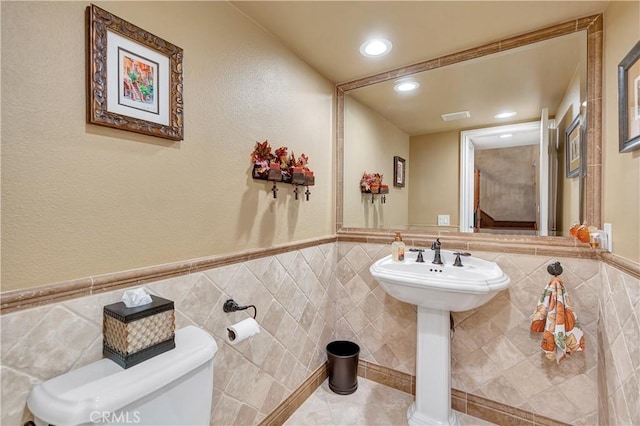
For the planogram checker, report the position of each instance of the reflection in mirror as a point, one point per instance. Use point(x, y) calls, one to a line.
point(379, 123)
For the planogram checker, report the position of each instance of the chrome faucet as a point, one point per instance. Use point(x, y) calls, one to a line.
point(436, 257)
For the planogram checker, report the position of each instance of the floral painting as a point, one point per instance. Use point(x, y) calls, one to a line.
point(137, 82)
point(134, 78)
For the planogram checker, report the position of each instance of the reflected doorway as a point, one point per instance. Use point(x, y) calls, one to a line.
point(505, 178)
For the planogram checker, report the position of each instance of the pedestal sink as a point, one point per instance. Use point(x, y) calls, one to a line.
point(437, 290)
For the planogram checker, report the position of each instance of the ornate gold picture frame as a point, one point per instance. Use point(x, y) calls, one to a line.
point(134, 78)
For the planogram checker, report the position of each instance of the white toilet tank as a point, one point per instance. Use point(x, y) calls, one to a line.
point(174, 388)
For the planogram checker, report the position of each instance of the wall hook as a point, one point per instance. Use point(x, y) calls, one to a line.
point(307, 193)
point(231, 306)
point(295, 191)
point(274, 190)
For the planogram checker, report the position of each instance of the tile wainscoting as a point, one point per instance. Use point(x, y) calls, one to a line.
point(494, 355)
point(294, 292)
point(309, 294)
point(619, 348)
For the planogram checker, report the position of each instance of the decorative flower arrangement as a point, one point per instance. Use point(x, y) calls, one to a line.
point(261, 157)
point(267, 164)
point(371, 182)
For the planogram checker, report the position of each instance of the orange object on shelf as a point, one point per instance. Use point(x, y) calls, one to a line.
point(583, 233)
point(573, 231)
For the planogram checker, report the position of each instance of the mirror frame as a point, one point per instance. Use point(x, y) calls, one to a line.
point(591, 182)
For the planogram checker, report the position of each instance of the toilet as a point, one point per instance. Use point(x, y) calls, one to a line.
point(173, 388)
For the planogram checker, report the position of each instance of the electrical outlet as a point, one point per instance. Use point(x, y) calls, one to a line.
point(443, 220)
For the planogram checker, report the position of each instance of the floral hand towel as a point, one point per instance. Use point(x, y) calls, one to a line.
point(554, 316)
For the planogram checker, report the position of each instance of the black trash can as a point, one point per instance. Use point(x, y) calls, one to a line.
point(342, 357)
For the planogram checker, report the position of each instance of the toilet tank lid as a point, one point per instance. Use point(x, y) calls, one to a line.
point(70, 399)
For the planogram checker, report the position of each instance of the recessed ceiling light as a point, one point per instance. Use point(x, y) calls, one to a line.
point(506, 135)
point(375, 47)
point(406, 86)
point(505, 114)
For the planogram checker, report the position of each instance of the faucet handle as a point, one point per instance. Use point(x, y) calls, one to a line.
point(458, 261)
point(419, 259)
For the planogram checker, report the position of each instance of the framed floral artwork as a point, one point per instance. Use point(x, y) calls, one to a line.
point(629, 100)
point(134, 78)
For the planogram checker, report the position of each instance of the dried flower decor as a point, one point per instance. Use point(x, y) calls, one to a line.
point(261, 157)
point(264, 160)
point(281, 157)
point(370, 180)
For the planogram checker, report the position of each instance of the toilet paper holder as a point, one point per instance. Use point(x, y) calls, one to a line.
point(231, 306)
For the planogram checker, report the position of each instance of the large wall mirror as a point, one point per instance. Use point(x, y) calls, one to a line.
point(551, 78)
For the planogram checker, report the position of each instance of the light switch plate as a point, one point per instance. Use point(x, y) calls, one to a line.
point(443, 220)
point(607, 230)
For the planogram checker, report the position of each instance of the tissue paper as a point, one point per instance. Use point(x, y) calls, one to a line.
point(136, 297)
point(242, 330)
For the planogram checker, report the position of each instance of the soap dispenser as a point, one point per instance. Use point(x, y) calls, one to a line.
point(397, 249)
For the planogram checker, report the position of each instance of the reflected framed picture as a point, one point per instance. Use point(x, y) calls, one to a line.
point(134, 78)
point(573, 148)
point(629, 100)
point(399, 170)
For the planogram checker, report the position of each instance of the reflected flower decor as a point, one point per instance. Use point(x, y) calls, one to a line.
point(371, 183)
point(280, 165)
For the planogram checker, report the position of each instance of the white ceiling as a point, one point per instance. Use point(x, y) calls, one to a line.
point(328, 35)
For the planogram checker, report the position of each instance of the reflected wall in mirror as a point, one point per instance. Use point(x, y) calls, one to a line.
point(558, 68)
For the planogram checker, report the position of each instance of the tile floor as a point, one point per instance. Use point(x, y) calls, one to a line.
point(371, 404)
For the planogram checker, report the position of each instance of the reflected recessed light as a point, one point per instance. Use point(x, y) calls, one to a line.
point(584, 104)
point(375, 47)
point(406, 86)
point(506, 135)
point(505, 114)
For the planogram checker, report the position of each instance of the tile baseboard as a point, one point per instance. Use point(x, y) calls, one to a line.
point(287, 407)
point(463, 402)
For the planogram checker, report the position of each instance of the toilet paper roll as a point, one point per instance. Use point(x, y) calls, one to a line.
point(242, 330)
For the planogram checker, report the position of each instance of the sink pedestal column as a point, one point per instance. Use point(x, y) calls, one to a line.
point(433, 370)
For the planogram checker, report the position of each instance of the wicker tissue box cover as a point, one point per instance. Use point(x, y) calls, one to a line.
point(133, 335)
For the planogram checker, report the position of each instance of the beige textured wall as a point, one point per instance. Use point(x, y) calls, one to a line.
point(621, 172)
point(80, 200)
point(435, 174)
point(568, 211)
point(371, 142)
